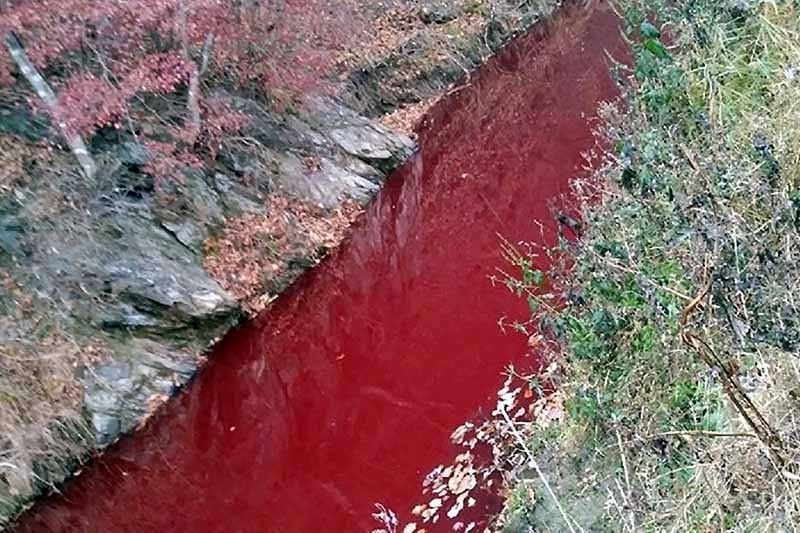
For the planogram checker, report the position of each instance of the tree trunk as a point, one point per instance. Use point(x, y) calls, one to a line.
point(193, 94)
point(45, 93)
point(193, 105)
point(193, 98)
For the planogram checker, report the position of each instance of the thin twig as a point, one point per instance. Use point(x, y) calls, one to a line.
point(736, 394)
point(624, 463)
point(699, 433)
point(532, 460)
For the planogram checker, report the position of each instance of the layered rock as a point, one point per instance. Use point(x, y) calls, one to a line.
point(116, 265)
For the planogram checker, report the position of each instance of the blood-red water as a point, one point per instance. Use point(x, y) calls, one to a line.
point(346, 391)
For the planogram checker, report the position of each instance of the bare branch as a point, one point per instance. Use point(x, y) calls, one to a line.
point(45, 93)
point(193, 94)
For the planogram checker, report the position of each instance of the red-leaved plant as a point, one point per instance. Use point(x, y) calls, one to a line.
point(93, 64)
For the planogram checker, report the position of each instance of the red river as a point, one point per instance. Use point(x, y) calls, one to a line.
point(346, 391)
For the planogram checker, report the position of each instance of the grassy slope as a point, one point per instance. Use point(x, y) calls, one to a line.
point(679, 377)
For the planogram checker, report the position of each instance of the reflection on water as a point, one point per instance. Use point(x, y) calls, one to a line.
point(346, 391)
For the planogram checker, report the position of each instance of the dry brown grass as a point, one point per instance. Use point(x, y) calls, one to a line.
point(40, 397)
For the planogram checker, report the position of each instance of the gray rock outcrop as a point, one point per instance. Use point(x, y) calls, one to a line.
point(120, 268)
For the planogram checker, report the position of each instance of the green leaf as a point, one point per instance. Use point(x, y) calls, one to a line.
point(646, 66)
point(646, 179)
point(649, 31)
point(655, 47)
point(629, 177)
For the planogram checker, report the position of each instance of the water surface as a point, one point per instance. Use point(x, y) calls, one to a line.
point(346, 391)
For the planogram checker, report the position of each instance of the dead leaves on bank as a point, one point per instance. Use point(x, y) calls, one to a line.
point(490, 455)
point(251, 258)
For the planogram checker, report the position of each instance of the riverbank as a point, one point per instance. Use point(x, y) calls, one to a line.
point(302, 417)
point(114, 289)
point(671, 323)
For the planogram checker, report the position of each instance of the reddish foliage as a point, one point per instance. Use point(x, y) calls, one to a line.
point(88, 102)
point(100, 55)
point(220, 120)
point(166, 160)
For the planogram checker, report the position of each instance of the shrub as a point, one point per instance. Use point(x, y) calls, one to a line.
point(680, 328)
point(94, 63)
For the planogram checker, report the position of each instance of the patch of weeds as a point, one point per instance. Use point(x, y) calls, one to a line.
point(520, 504)
point(673, 319)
